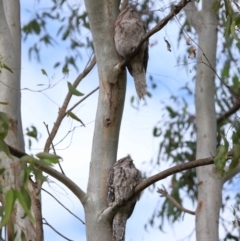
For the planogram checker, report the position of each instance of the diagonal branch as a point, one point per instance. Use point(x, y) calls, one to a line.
point(81, 195)
point(49, 225)
point(63, 109)
point(80, 101)
point(176, 9)
point(173, 170)
point(63, 206)
point(54, 151)
point(230, 112)
point(164, 193)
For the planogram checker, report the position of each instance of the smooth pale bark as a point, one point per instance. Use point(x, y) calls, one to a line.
point(209, 181)
point(12, 14)
point(10, 53)
point(102, 14)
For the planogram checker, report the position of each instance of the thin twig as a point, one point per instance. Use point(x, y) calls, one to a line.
point(46, 223)
point(62, 110)
point(230, 112)
point(208, 64)
point(54, 149)
point(63, 206)
point(164, 193)
point(80, 101)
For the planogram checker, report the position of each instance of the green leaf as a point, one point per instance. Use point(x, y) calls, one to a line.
point(27, 159)
point(39, 175)
point(4, 103)
point(172, 113)
point(23, 236)
point(2, 170)
point(65, 70)
point(235, 83)
point(4, 125)
point(46, 155)
point(36, 27)
point(221, 158)
point(235, 158)
point(7, 68)
point(66, 33)
point(1, 211)
point(33, 132)
point(10, 198)
point(73, 116)
point(132, 99)
point(25, 201)
point(233, 28)
point(56, 64)
point(44, 72)
point(73, 90)
point(157, 132)
point(4, 148)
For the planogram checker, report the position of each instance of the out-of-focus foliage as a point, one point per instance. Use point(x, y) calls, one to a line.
point(62, 21)
point(176, 129)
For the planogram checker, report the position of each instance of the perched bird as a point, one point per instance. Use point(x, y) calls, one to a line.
point(129, 29)
point(122, 180)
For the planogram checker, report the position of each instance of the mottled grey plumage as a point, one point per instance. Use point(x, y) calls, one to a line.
point(122, 180)
point(129, 29)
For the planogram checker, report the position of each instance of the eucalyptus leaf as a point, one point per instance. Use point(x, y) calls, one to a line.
point(73, 116)
point(73, 90)
point(10, 198)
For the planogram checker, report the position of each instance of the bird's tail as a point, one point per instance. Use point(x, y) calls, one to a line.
point(119, 225)
point(140, 83)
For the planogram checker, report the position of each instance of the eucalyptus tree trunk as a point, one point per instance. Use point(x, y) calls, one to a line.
point(102, 14)
point(10, 55)
point(209, 181)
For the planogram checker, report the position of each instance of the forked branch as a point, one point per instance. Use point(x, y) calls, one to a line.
point(164, 193)
point(62, 110)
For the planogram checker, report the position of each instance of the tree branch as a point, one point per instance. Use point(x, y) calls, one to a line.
point(81, 195)
point(80, 101)
point(230, 112)
point(63, 206)
point(54, 151)
point(232, 174)
point(164, 193)
point(46, 223)
point(173, 170)
point(110, 211)
point(62, 110)
point(176, 9)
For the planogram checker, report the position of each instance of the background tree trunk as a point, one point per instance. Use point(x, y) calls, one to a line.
point(209, 181)
point(10, 54)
